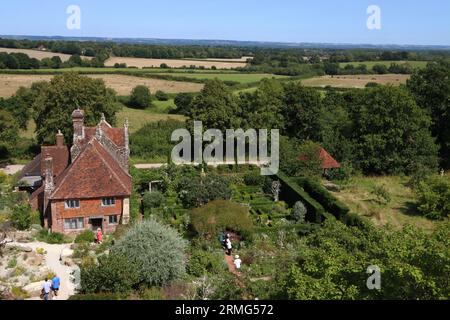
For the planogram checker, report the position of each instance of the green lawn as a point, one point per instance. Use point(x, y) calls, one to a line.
point(370, 64)
point(399, 211)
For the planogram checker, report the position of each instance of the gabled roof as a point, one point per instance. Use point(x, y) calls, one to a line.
point(116, 135)
point(94, 173)
point(60, 157)
point(32, 169)
point(328, 162)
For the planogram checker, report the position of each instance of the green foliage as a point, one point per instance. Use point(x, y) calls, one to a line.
point(153, 199)
point(333, 263)
point(12, 263)
point(21, 216)
point(183, 103)
point(114, 273)
point(197, 191)
point(161, 96)
point(202, 262)
point(382, 194)
point(390, 132)
point(140, 97)
point(299, 212)
point(87, 236)
point(220, 215)
point(65, 93)
point(434, 197)
point(156, 250)
point(254, 178)
point(153, 140)
point(431, 89)
point(9, 133)
point(52, 237)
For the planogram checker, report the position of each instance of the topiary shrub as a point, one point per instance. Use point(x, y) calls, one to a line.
point(155, 249)
point(220, 215)
point(299, 212)
point(87, 236)
point(114, 273)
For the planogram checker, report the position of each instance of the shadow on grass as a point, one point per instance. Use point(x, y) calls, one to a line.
point(410, 209)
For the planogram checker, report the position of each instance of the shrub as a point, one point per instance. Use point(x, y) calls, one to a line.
point(51, 238)
point(161, 96)
point(201, 262)
point(433, 197)
point(254, 178)
point(87, 236)
point(195, 192)
point(155, 249)
point(299, 212)
point(140, 97)
point(220, 215)
point(153, 199)
point(114, 273)
point(21, 216)
point(382, 194)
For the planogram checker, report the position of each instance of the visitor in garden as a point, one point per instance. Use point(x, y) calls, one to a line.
point(237, 262)
point(222, 240)
point(99, 236)
point(46, 289)
point(55, 285)
point(228, 245)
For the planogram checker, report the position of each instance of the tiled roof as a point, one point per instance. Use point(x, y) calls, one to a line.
point(60, 157)
point(33, 168)
point(116, 135)
point(328, 162)
point(94, 173)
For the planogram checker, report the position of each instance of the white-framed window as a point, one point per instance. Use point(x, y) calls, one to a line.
point(113, 219)
point(107, 202)
point(73, 223)
point(72, 204)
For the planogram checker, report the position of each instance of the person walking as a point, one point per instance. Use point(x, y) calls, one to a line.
point(99, 236)
point(237, 262)
point(228, 245)
point(46, 289)
point(55, 285)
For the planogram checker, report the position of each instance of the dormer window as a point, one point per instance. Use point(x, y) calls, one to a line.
point(108, 202)
point(72, 204)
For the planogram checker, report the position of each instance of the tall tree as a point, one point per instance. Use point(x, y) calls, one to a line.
point(431, 88)
point(65, 93)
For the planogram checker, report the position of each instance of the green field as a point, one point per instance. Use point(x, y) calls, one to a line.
point(370, 64)
point(237, 77)
point(138, 118)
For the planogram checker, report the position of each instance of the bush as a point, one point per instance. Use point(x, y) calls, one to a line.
point(254, 178)
point(86, 236)
point(153, 199)
point(382, 194)
point(114, 273)
point(155, 249)
point(220, 215)
point(433, 197)
point(299, 212)
point(51, 238)
point(140, 97)
point(161, 96)
point(21, 217)
point(202, 262)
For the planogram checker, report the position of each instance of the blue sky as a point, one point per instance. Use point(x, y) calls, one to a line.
point(336, 21)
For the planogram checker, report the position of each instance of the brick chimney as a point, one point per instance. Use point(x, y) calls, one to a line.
point(49, 186)
point(78, 125)
point(59, 139)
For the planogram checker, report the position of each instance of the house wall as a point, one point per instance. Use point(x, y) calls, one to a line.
point(88, 208)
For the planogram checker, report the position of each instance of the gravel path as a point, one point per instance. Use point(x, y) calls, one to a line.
point(52, 260)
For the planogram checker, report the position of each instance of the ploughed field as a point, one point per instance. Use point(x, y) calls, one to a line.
point(122, 84)
point(175, 63)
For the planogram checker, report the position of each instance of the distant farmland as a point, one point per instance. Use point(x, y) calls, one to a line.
point(237, 77)
point(173, 63)
point(355, 81)
point(370, 64)
point(37, 54)
point(9, 83)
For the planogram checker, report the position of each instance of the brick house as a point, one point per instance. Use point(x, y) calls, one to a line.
point(88, 187)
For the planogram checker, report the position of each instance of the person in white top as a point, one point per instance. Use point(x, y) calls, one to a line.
point(237, 262)
point(228, 245)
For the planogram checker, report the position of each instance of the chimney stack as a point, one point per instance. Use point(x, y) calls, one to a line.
point(59, 139)
point(49, 185)
point(78, 125)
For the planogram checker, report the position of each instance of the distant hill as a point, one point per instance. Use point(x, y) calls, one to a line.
point(235, 43)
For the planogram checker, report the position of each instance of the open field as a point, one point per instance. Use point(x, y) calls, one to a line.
point(9, 83)
point(109, 70)
point(173, 63)
point(370, 64)
point(37, 54)
point(137, 118)
point(355, 81)
point(400, 211)
point(237, 77)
